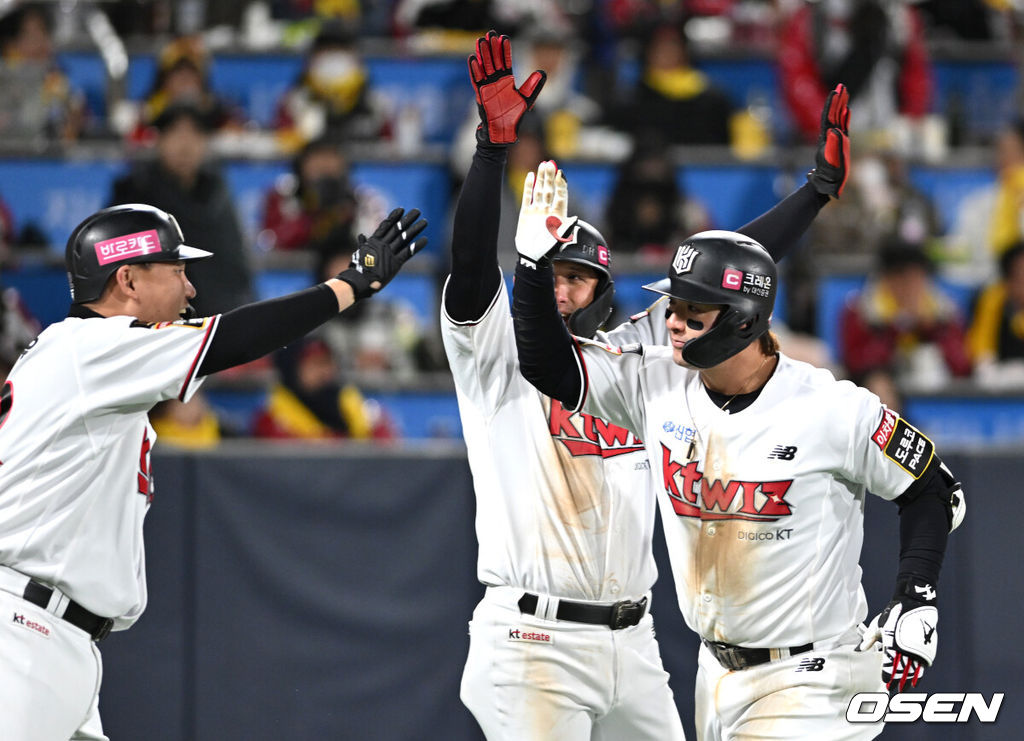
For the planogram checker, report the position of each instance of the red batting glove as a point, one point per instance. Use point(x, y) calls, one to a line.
point(500, 103)
point(832, 160)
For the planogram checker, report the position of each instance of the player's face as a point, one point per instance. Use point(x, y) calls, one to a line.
point(163, 291)
point(687, 321)
point(574, 286)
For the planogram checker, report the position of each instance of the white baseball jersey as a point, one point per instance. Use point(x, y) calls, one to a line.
point(75, 441)
point(564, 501)
point(762, 509)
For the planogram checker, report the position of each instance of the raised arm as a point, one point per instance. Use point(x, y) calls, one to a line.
point(548, 356)
point(475, 275)
point(253, 330)
point(780, 228)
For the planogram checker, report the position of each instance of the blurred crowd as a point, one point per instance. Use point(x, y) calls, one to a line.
point(940, 296)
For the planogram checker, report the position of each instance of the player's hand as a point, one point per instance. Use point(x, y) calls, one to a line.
point(906, 631)
point(500, 103)
point(379, 258)
point(832, 160)
point(543, 217)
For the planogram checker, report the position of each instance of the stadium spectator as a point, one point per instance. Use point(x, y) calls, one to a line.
point(192, 425)
point(181, 181)
point(996, 334)
point(332, 97)
point(17, 328)
point(879, 200)
point(875, 47)
point(672, 99)
point(313, 203)
point(39, 99)
point(990, 219)
point(308, 401)
point(902, 330)
point(648, 211)
point(183, 76)
point(385, 339)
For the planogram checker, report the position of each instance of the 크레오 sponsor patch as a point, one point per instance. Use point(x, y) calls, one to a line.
point(910, 449)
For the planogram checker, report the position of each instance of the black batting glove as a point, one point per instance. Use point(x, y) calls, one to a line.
point(906, 632)
point(500, 103)
point(379, 258)
point(832, 160)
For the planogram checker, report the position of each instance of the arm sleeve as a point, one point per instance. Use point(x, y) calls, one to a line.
point(548, 356)
point(474, 277)
point(253, 330)
point(781, 227)
point(924, 527)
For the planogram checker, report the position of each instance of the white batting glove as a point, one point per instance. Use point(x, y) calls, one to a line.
point(906, 631)
point(543, 217)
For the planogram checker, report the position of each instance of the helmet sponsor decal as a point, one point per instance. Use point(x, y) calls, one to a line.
point(732, 279)
point(130, 245)
point(683, 261)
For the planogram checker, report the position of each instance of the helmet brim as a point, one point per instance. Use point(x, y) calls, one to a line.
point(189, 254)
point(694, 294)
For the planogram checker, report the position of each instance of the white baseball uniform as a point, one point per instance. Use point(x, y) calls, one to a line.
point(763, 515)
point(565, 511)
point(75, 479)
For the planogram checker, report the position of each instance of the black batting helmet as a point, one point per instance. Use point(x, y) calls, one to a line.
point(121, 235)
point(587, 247)
point(726, 269)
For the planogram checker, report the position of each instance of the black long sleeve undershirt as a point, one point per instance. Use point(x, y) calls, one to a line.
point(253, 330)
point(924, 526)
point(780, 228)
point(475, 274)
point(547, 352)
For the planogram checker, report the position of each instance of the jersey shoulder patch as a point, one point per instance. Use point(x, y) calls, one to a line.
point(634, 347)
point(903, 443)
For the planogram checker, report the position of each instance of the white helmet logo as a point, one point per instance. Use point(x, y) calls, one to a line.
point(683, 261)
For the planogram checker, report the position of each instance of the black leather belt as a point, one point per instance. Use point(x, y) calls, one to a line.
point(736, 658)
point(96, 626)
point(624, 614)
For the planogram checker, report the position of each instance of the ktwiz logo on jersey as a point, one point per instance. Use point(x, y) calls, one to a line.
point(585, 434)
point(130, 245)
point(693, 495)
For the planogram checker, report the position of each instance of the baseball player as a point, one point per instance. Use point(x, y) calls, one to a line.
point(75, 442)
point(562, 644)
point(762, 463)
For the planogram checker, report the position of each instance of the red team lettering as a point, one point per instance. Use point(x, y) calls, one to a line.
point(145, 482)
point(593, 436)
point(718, 499)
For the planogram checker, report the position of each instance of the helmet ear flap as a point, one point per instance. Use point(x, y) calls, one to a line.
point(586, 321)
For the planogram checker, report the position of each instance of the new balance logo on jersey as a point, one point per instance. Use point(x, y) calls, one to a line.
point(584, 434)
point(694, 495)
point(811, 665)
point(783, 453)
